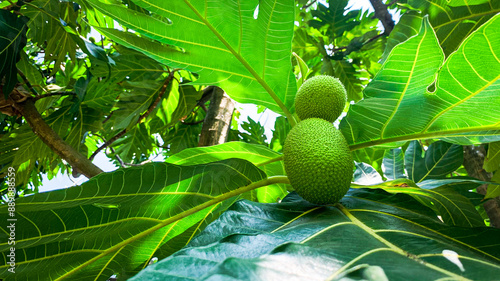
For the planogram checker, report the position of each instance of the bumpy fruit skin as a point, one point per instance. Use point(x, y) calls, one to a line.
point(322, 97)
point(318, 161)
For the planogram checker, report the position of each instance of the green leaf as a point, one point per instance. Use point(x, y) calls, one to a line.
point(366, 174)
point(466, 83)
point(176, 106)
point(32, 73)
point(371, 155)
point(408, 26)
point(46, 28)
point(12, 42)
point(23, 149)
point(132, 71)
point(116, 222)
point(492, 160)
point(181, 137)
point(335, 18)
point(87, 120)
point(454, 208)
point(303, 68)
point(493, 189)
point(441, 159)
point(353, 79)
point(134, 101)
point(295, 240)
point(136, 143)
point(252, 54)
point(464, 185)
point(281, 129)
point(454, 21)
point(258, 155)
point(256, 132)
point(394, 164)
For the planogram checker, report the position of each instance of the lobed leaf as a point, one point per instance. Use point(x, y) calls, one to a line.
point(454, 21)
point(369, 231)
point(48, 19)
point(116, 222)
point(12, 42)
point(251, 41)
point(466, 83)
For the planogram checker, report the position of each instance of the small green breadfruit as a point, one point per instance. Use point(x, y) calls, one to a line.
point(322, 97)
point(318, 161)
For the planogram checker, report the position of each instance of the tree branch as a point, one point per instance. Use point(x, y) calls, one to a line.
point(28, 84)
point(54, 94)
point(308, 4)
point(78, 161)
point(383, 15)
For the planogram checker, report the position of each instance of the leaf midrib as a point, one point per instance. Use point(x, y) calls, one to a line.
point(426, 228)
point(391, 246)
point(467, 17)
point(220, 198)
point(250, 69)
point(421, 135)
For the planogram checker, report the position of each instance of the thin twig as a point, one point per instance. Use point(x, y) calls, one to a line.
point(107, 118)
point(169, 79)
point(308, 5)
point(374, 38)
point(54, 94)
point(28, 84)
point(123, 164)
point(192, 123)
point(391, 3)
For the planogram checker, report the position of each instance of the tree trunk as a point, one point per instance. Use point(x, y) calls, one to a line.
point(217, 122)
point(473, 163)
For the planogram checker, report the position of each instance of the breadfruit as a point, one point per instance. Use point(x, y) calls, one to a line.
point(322, 97)
point(318, 161)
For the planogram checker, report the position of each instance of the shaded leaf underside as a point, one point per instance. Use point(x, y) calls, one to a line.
point(294, 240)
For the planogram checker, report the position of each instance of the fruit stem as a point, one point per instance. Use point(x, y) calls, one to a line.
point(279, 158)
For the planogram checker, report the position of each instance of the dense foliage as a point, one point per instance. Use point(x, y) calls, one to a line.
point(127, 77)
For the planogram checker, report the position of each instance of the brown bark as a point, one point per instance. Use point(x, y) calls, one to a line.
point(26, 107)
point(217, 122)
point(383, 15)
point(473, 163)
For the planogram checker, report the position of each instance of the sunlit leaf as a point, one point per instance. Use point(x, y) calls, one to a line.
point(467, 82)
point(259, 155)
point(252, 46)
point(116, 222)
point(454, 21)
point(46, 28)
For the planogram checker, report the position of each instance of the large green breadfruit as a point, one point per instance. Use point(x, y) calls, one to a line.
point(318, 161)
point(321, 97)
